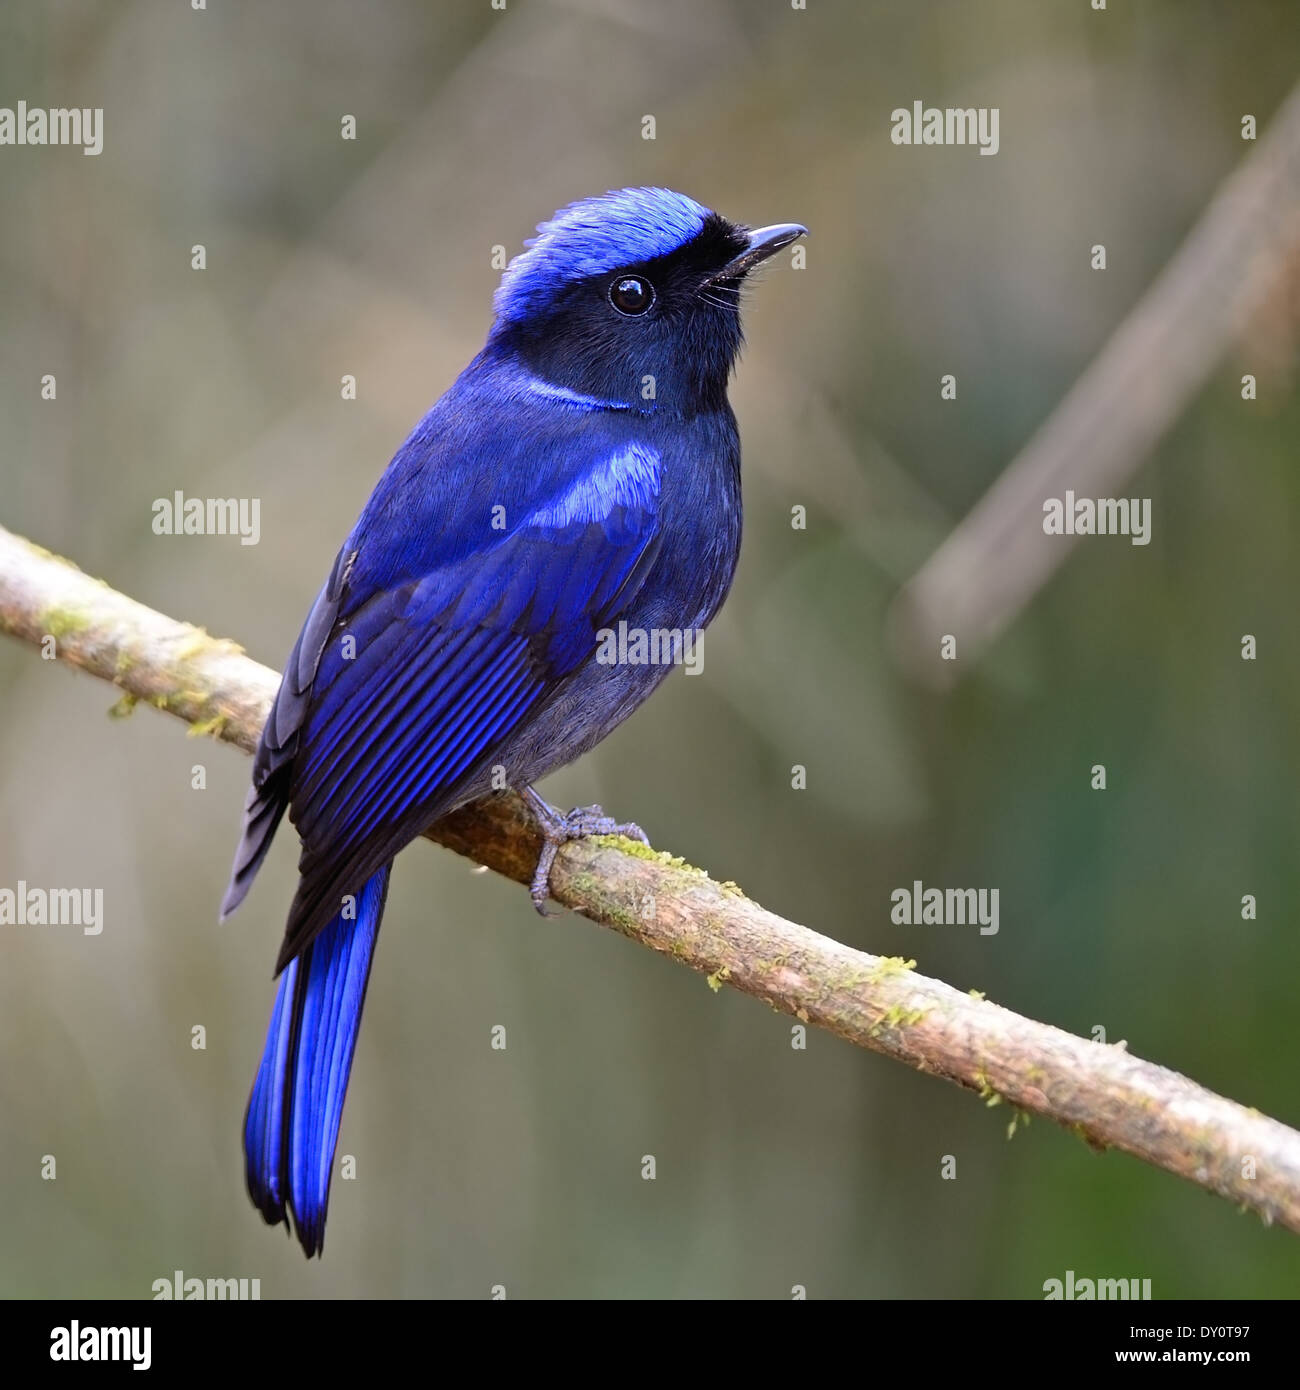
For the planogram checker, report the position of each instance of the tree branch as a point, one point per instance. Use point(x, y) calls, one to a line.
point(1111, 1099)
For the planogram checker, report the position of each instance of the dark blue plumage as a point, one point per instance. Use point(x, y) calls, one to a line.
point(582, 471)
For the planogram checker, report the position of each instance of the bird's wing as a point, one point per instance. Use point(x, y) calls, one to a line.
point(392, 696)
point(268, 795)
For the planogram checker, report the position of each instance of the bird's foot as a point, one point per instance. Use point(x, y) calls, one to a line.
point(558, 829)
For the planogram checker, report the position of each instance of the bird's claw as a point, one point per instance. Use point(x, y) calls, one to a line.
point(558, 828)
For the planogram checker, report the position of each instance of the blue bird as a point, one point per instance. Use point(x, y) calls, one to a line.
point(582, 472)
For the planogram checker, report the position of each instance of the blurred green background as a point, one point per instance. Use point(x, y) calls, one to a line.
point(775, 1167)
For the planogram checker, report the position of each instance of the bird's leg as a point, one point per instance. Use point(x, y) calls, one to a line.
point(557, 829)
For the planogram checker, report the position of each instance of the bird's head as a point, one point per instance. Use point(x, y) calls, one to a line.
point(633, 296)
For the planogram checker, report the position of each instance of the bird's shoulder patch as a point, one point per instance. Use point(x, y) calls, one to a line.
point(628, 478)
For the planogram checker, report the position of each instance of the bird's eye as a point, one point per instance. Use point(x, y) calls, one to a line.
point(631, 294)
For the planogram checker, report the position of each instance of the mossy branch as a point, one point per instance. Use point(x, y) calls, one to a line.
point(1109, 1098)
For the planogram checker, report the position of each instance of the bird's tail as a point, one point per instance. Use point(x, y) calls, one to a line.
point(292, 1124)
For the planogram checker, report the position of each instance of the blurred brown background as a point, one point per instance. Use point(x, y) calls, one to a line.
point(775, 1167)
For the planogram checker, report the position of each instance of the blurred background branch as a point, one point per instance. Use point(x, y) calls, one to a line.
point(1241, 258)
point(1109, 1098)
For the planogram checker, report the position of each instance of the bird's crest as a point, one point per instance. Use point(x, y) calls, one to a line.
point(594, 236)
